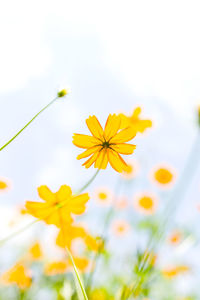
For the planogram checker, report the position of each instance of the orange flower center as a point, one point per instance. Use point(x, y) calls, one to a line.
point(146, 202)
point(163, 176)
point(3, 185)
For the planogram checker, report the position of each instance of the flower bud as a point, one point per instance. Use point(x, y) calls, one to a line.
point(63, 93)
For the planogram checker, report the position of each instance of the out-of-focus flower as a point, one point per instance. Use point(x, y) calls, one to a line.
point(132, 170)
point(103, 196)
point(57, 207)
point(173, 271)
point(18, 275)
point(5, 184)
point(56, 267)
point(175, 237)
point(35, 252)
point(120, 227)
point(121, 203)
point(134, 120)
point(82, 263)
point(75, 232)
point(164, 176)
point(146, 203)
point(105, 145)
point(98, 294)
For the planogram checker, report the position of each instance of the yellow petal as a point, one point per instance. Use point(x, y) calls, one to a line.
point(143, 124)
point(125, 121)
point(102, 160)
point(124, 135)
point(95, 127)
point(116, 161)
point(77, 203)
point(89, 151)
point(124, 148)
point(112, 126)
point(46, 194)
point(84, 141)
point(38, 209)
point(91, 160)
point(136, 112)
point(64, 193)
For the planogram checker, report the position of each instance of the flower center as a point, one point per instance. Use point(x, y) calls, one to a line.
point(105, 144)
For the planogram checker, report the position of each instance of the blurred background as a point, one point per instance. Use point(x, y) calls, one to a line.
point(115, 56)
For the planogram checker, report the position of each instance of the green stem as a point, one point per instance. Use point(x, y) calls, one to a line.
point(14, 137)
point(3, 241)
point(88, 183)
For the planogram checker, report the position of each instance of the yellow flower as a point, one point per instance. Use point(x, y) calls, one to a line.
point(56, 267)
point(18, 275)
point(98, 294)
point(105, 145)
point(120, 227)
point(163, 175)
point(57, 207)
point(35, 251)
point(146, 203)
point(82, 263)
point(134, 120)
point(175, 237)
point(103, 195)
point(4, 184)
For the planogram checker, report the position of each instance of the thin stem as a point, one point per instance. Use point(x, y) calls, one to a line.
point(3, 241)
point(14, 137)
point(88, 183)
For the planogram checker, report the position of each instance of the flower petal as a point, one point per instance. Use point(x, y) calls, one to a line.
point(77, 203)
point(112, 126)
point(89, 151)
point(124, 135)
point(84, 141)
point(136, 112)
point(95, 127)
point(124, 148)
point(91, 160)
point(46, 194)
point(63, 193)
point(102, 160)
point(116, 161)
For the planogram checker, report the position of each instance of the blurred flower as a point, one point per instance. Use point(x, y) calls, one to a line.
point(5, 184)
point(56, 267)
point(57, 207)
point(35, 251)
point(121, 203)
point(134, 120)
point(98, 294)
point(132, 170)
point(146, 203)
point(105, 145)
point(163, 176)
point(82, 263)
point(18, 275)
point(103, 195)
point(175, 237)
point(173, 271)
point(120, 227)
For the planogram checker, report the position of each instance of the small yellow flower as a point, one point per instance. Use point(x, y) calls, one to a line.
point(18, 275)
point(105, 145)
point(173, 271)
point(134, 121)
point(56, 267)
point(164, 176)
point(57, 207)
point(120, 228)
point(175, 237)
point(63, 93)
point(146, 203)
point(4, 184)
point(35, 251)
point(82, 263)
point(103, 195)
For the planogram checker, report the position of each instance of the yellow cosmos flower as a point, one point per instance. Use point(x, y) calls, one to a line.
point(105, 145)
point(57, 207)
point(18, 275)
point(146, 203)
point(120, 228)
point(164, 176)
point(4, 184)
point(35, 251)
point(134, 121)
point(56, 267)
point(103, 196)
point(82, 263)
point(75, 232)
